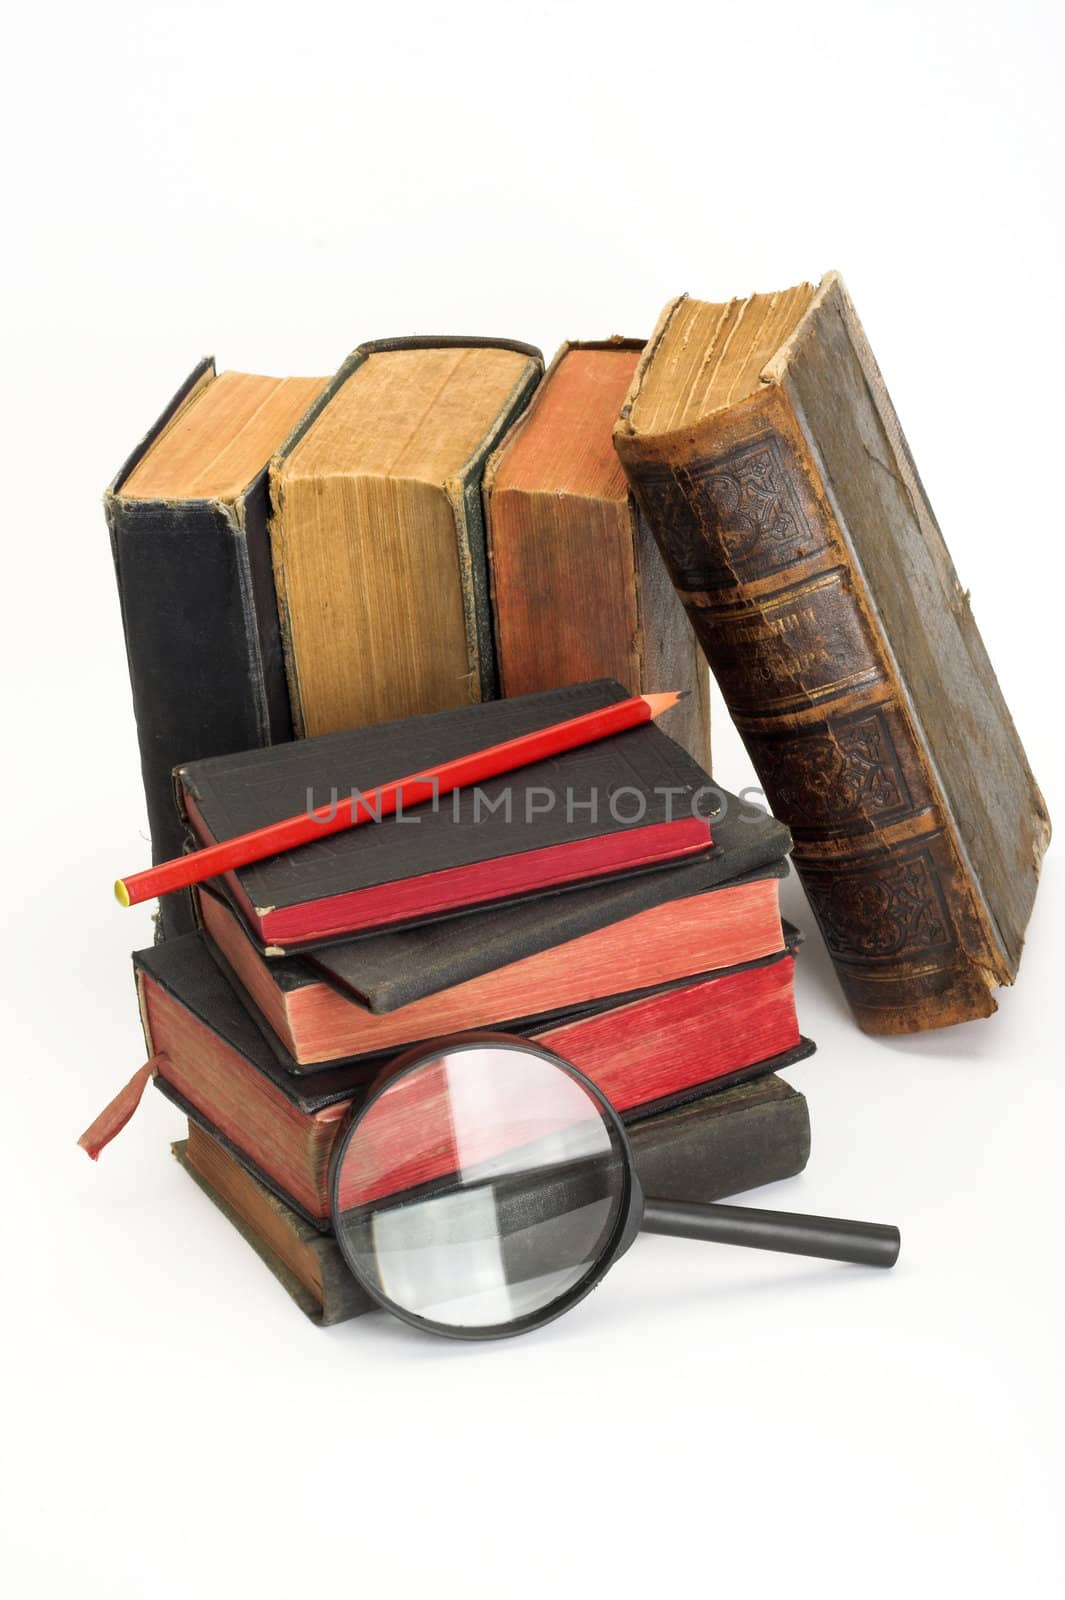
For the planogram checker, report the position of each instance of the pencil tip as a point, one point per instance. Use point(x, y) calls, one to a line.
point(662, 702)
point(121, 892)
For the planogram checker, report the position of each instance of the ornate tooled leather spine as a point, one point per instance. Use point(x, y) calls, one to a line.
point(748, 534)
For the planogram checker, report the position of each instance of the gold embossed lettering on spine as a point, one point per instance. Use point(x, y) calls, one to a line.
point(920, 860)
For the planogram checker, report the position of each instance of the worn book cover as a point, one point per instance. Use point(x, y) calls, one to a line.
point(737, 1139)
point(187, 515)
point(579, 589)
point(631, 802)
point(391, 969)
point(647, 1052)
point(312, 1023)
point(377, 529)
point(762, 444)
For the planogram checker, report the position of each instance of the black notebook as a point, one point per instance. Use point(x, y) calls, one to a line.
point(635, 801)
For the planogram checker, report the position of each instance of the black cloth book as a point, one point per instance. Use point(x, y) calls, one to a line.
point(196, 972)
point(183, 968)
point(736, 1139)
point(392, 968)
point(672, 1170)
point(200, 619)
point(633, 801)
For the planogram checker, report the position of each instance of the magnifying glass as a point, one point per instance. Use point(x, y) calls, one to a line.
point(486, 1185)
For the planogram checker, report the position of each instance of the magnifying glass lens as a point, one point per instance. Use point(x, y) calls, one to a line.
point(480, 1190)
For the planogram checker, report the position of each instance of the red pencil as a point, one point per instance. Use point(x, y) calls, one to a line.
point(404, 793)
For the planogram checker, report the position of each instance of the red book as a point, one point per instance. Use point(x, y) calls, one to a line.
point(663, 1046)
point(317, 1022)
point(632, 802)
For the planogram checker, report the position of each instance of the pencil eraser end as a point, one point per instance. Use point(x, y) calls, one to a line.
point(121, 893)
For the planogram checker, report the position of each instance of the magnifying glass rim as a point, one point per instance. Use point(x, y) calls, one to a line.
point(628, 1212)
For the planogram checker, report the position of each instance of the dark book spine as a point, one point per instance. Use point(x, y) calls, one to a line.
point(751, 541)
point(203, 646)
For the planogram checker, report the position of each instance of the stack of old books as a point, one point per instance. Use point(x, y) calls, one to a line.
point(351, 579)
point(612, 904)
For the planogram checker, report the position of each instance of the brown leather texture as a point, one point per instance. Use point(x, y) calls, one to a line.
point(797, 640)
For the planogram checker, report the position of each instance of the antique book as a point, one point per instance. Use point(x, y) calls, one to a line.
point(187, 515)
point(578, 586)
point(761, 442)
point(517, 960)
point(316, 1020)
point(720, 1145)
point(398, 966)
point(377, 530)
point(650, 1051)
point(551, 823)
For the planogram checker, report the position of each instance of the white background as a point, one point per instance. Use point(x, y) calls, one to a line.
point(278, 183)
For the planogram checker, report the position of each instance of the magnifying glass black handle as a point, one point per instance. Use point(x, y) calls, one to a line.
point(870, 1244)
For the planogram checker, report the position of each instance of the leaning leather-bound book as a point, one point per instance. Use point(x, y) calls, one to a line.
point(768, 458)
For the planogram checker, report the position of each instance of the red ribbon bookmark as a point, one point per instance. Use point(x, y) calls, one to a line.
point(113, 1117)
